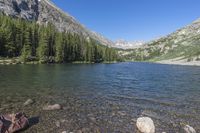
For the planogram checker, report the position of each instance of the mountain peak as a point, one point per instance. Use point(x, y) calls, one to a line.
point(128, 45)
point(197, 21)
point(44, 11)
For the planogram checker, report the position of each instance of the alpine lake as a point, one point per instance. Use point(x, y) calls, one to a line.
point(102, 98)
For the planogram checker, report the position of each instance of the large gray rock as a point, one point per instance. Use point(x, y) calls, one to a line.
point(189, 129)
point(145, 125)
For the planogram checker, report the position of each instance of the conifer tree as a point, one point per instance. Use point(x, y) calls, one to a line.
point(59, 48)
point(30, 41)
point(26, 50)
point(43, 50)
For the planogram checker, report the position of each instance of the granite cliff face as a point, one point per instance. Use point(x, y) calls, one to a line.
point(43, 12)
point(26, 9)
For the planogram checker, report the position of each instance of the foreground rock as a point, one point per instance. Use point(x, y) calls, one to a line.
point(189, 129)
point(53, 107)
point(28, 102)
point(145, 125)
point(13, 123)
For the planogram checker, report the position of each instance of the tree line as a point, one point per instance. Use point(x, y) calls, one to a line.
point(33, 42)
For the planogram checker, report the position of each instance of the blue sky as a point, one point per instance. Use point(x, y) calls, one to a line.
point(132, 19)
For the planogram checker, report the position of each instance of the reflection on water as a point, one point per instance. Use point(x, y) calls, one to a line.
point(103, 97)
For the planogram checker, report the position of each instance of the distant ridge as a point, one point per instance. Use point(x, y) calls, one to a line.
point(179, 47)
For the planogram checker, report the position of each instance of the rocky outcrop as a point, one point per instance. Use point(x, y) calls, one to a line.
point(44, 11)
point(26, 9)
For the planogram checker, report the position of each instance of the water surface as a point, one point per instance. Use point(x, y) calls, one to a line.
point(105, 98)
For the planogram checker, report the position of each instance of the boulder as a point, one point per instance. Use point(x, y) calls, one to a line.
point(53, 107)
point(145, 125)
point(189, 129)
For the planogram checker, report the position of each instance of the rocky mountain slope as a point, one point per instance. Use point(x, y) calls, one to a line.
point(44, 11)
point(182, 46)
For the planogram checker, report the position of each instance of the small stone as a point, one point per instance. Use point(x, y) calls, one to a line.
point(64, 131)
point(134, 120)
point(189, 129)
point(63, 121)
point(145, 125)
point(79, 131)
point(113, 114)
point(92, 119)
point(150, 113)
point(122, 113)
point(85, 130)
point(28, 102)
point(57, 124)
point(53, 107)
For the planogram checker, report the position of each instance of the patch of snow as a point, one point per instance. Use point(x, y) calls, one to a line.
point(128, 45)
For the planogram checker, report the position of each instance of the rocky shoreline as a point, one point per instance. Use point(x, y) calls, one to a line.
point(143, 124)
point(180, 61)
point(15, 61)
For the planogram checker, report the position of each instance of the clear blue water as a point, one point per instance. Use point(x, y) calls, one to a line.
point(103, 98)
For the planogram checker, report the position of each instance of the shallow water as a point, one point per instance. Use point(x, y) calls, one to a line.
point(105, 98)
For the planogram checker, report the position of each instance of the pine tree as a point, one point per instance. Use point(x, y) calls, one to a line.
point(43, 50)
point(35, 40)
point(59, 48)
point(26, 50)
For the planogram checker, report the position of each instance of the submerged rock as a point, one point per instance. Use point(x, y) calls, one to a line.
point(53, 107)
point(57, 123)
point(121, 113)
point(189, 129)
point(79, 131)
point(150, 113)
point(93, 119)
point(28, 102)
point(145, 125)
